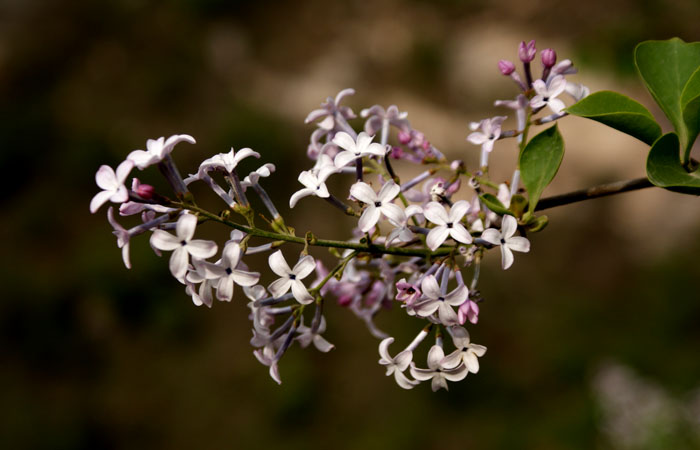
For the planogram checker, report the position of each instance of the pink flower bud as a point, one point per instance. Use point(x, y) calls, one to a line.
point(404, 137)
point(468, 310)
point(145, 191)
point(549, 57)
point(527, 52)
point(397, 153)
point(506, 67)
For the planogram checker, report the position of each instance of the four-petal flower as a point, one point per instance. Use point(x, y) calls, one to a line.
point(506, 240)
point(448, 225)
point(291, 278)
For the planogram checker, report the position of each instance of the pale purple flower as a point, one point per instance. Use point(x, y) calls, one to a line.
point(225, 162)
point(198, 275)
point(306, 336)
point(112, 184)
point(407, 292)
point(434, 300)
point(354, 149)
point(182, 245)
point(377, 203)
point(329, 109)
point(314, 180)
point(527, 52)
point(378, 117)
point(547, 94)
point(263, 171)
point(226, 272)
point(437, 372)
point(268, 357)
point(448, 225)
point(157, 150)
point(490, 131)
point(519, 105)
point(396, 365)
point(565, 67)
point(506, 67)
point(468, 310)
point(506, 240)
point(291, 278)
point(122, 235)
point(466, 353)
point(401, 231)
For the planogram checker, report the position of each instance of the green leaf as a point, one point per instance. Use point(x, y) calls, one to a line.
point(666, 67)
point(619, 112)
point(494, 204)
point(690, 104)
point(539, 163)
point(665, 170)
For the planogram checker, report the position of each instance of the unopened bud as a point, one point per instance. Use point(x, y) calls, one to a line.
point(404, 137)
point(145, 191)
point(549, 57)
point(506, 67)
point(527, 52)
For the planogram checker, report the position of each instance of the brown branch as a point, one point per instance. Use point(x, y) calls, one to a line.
point(593, 192)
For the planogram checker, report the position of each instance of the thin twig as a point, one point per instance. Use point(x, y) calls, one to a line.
point(593, 192)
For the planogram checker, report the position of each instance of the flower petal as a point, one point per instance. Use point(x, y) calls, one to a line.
point(162, 240)
point(437, 236)
point(243, 278)
point(394, 213)
point(106, 178)
point(436, 213)
point(279, 287)
point(460, 234)
point(100, 199)
point(370, 217)
point(301, 294)
point(506, 257)
point(363, 192)
point(278, 264)
point(430, 288)
point(344, 158)
point(185, 227)
point(201, 248)
point(178, 263)
point(492, 236)
point(452, 360)
point(384, 351)
point(435, 355)
point(304, 267)
point(519, 244)
point(298, 195)
point(345, 141)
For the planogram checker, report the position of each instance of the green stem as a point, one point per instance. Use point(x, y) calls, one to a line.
point(360, 247)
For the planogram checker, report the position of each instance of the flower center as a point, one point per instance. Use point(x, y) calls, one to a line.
point(442, 299)
point(503, 241)
point(449, 224)
point(228, 271)
point(292, 276)
point(378, 204)
point(183, 242)
point(546, 99)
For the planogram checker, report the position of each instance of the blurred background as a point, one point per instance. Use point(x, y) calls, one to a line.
point(593, 337)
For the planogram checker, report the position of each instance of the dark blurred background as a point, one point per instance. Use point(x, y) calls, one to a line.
point(593, 337)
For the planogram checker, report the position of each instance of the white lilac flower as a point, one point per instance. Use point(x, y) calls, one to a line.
point(377, 204)
point(291, 278)
point(402, 232)
point(519, 105)
point(506, 240)
point(122, 235)
point(183, 245)
point(396, 365)
point(448, 225)
point(225, 162)
point(377, 117)
point(577, 91)
point(263, 171)
point(547, 94)
point(353, 149)
point(306, 336)
point(314, 180)
point(465, 352)
point(157, 149)
point(434, 300)
point(490, 131)
point(197, 275)
point(112, 184)
point(329, 109)
point(268, 357)
point(436, 372)
point(226, 272)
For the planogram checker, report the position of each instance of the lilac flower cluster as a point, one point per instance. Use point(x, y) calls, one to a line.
point(413, 241)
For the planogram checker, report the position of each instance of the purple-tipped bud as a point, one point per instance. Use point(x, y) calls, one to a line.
point(549, 58)
point(527, 52)
point(145, 191)
point(506, 67)
point(404, 137)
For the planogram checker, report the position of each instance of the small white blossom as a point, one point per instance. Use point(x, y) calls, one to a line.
point(314, 180)
point(402, 232)
point(226, 272)
point(377, 204)
point(182, 245)
point(396, 365)
point(263, 171)
point(329, 109)
point(122, 235)
point(376, 117)
point(547, 94)
point(353, 150)
point(157, 149)
point(506, 240)
point(434, 300)
point(112, 184)
point(437, 372)
point(465, 352)
point(448, 225)
point(291, 278)
point(490, 132)
point(306, 336)
point(225, 162)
